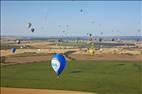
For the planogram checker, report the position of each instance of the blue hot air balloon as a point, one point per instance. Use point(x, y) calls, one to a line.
point(13, 50)
point(58, 63)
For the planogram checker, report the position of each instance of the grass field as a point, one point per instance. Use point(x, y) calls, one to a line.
point(102, 77)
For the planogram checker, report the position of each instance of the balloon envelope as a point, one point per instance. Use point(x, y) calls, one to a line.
point(81, 10)
point(29, 25)
point(100, 39)
point(13, 50)
point(58, 63)
point(113, 39)
point(18, 41)
point(32, 29)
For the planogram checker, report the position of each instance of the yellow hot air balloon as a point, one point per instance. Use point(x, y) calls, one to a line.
point(91, 51)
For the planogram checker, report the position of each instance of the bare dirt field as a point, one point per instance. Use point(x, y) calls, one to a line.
point(36, 55)
point(38, 91)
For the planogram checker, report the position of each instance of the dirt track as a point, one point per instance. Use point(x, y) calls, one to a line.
point(38, 91)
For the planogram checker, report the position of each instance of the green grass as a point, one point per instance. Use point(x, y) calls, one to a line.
point(102, 77)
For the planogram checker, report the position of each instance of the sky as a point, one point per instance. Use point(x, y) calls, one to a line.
point(51, 18)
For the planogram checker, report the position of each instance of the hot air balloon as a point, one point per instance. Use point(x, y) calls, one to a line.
point(18, 41)
point(100, 39)
point(59, 25)
point(81, 10)
point(67, 25)
point(63, 31)
point(13, 50)
point(92, 22)
point(29, 25)
point(113, 39)
point(91, 51)
point(139, 34)
point(32, 29)
point(90, 35)
point(58, 63)
point(139, 30)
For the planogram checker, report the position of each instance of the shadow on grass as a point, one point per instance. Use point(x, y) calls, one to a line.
point(76, 71)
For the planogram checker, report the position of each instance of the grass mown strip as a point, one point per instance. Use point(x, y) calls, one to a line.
point(102, 77)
